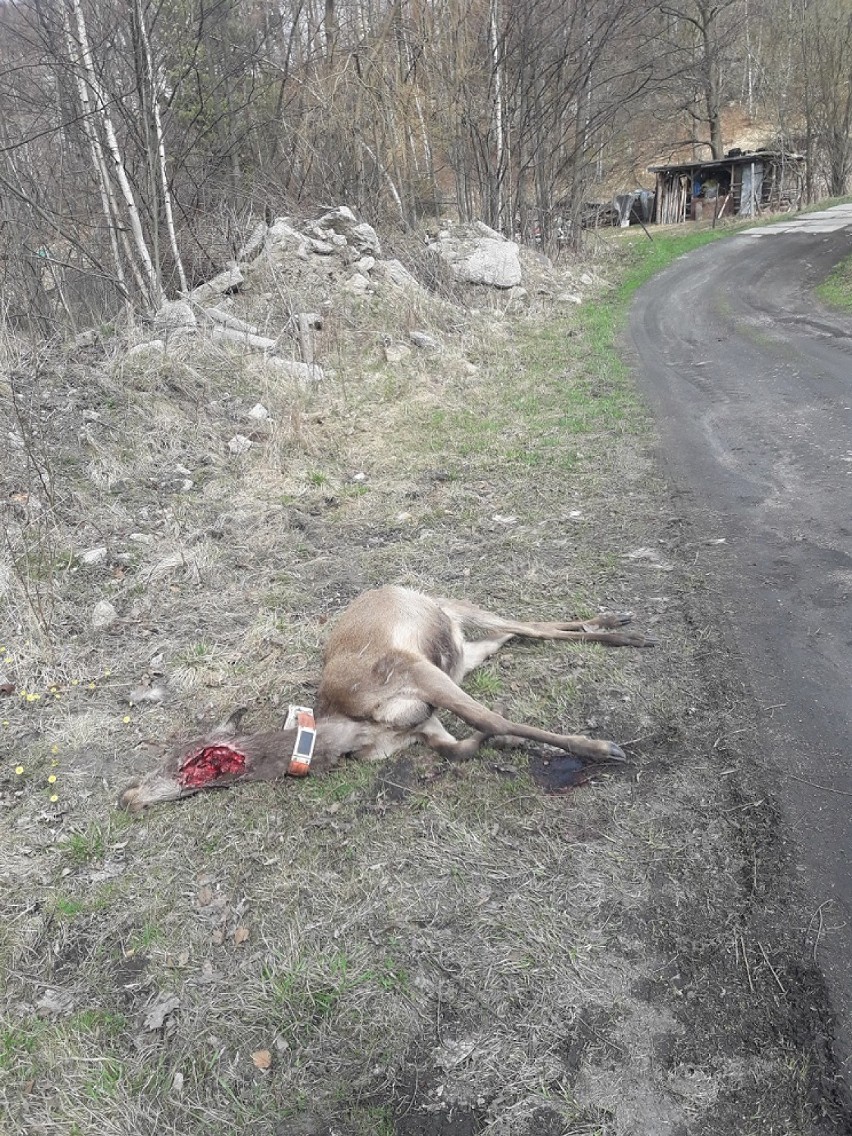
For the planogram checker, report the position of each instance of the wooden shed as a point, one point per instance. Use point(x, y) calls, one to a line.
point(743, 184)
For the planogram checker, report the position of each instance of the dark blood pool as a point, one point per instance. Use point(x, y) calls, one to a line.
point(210, 763)
point(558, 774)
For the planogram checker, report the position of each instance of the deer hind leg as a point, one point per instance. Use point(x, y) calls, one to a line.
point(598, 629)
point(432, 732)
point(439, 690)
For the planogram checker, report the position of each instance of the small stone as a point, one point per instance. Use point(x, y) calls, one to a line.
point(304, 373)
point(396, 352)
point(357, 284)
point(175, 313)
point(239, 444)
point(141, 694)
point(141, 538)
point(423, 340)
point(104, 615)
point(396, 273)
point(321, 248)
point(152, 347)
point(365, 265)
point(341, 215)
point(94, 556)
point(365, 239)
point(258, 412)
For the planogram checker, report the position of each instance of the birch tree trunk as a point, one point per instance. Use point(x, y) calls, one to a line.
point(161, 146)
point(153, 291)
point(108, 203)
point(497, 115)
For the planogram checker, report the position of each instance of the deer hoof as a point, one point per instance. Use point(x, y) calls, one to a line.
point(643, 641)
point(614, 752)
point(631, 640)
point(607, 620)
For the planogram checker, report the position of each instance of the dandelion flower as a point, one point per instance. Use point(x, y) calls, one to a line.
point(54, 798)
point(19, 769)
point(51, 779)
point(54, 749)
point(126, 719)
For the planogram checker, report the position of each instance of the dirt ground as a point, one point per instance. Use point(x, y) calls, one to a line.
point(413, 948)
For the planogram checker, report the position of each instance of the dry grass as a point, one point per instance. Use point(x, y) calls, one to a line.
point(420, 949)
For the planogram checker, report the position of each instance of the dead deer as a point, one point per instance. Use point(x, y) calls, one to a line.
point(395, 658)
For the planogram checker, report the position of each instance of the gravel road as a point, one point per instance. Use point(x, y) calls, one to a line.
point(750, 381)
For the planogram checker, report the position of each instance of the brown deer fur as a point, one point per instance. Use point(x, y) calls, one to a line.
point(395, 657)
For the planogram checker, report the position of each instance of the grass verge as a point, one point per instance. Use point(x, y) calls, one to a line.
point(836, 289)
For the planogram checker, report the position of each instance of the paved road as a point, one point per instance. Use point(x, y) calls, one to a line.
point(751, 383)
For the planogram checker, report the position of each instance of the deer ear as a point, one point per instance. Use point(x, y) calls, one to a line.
point(230, 725)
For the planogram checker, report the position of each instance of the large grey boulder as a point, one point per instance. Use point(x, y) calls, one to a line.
point(361, 236)
point(174, 313)
point(479, 255)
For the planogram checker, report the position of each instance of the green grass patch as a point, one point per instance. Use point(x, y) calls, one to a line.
point(85, 847)
point(836, 289)
point(66, 908)
point(484, 683)
point(19, 1045)
point(99, 1023)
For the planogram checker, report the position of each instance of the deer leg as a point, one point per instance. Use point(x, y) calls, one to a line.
point(598, 629)
point(438, 689)
point(442, 741)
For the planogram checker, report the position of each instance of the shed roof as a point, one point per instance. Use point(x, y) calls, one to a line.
point(724, 163)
